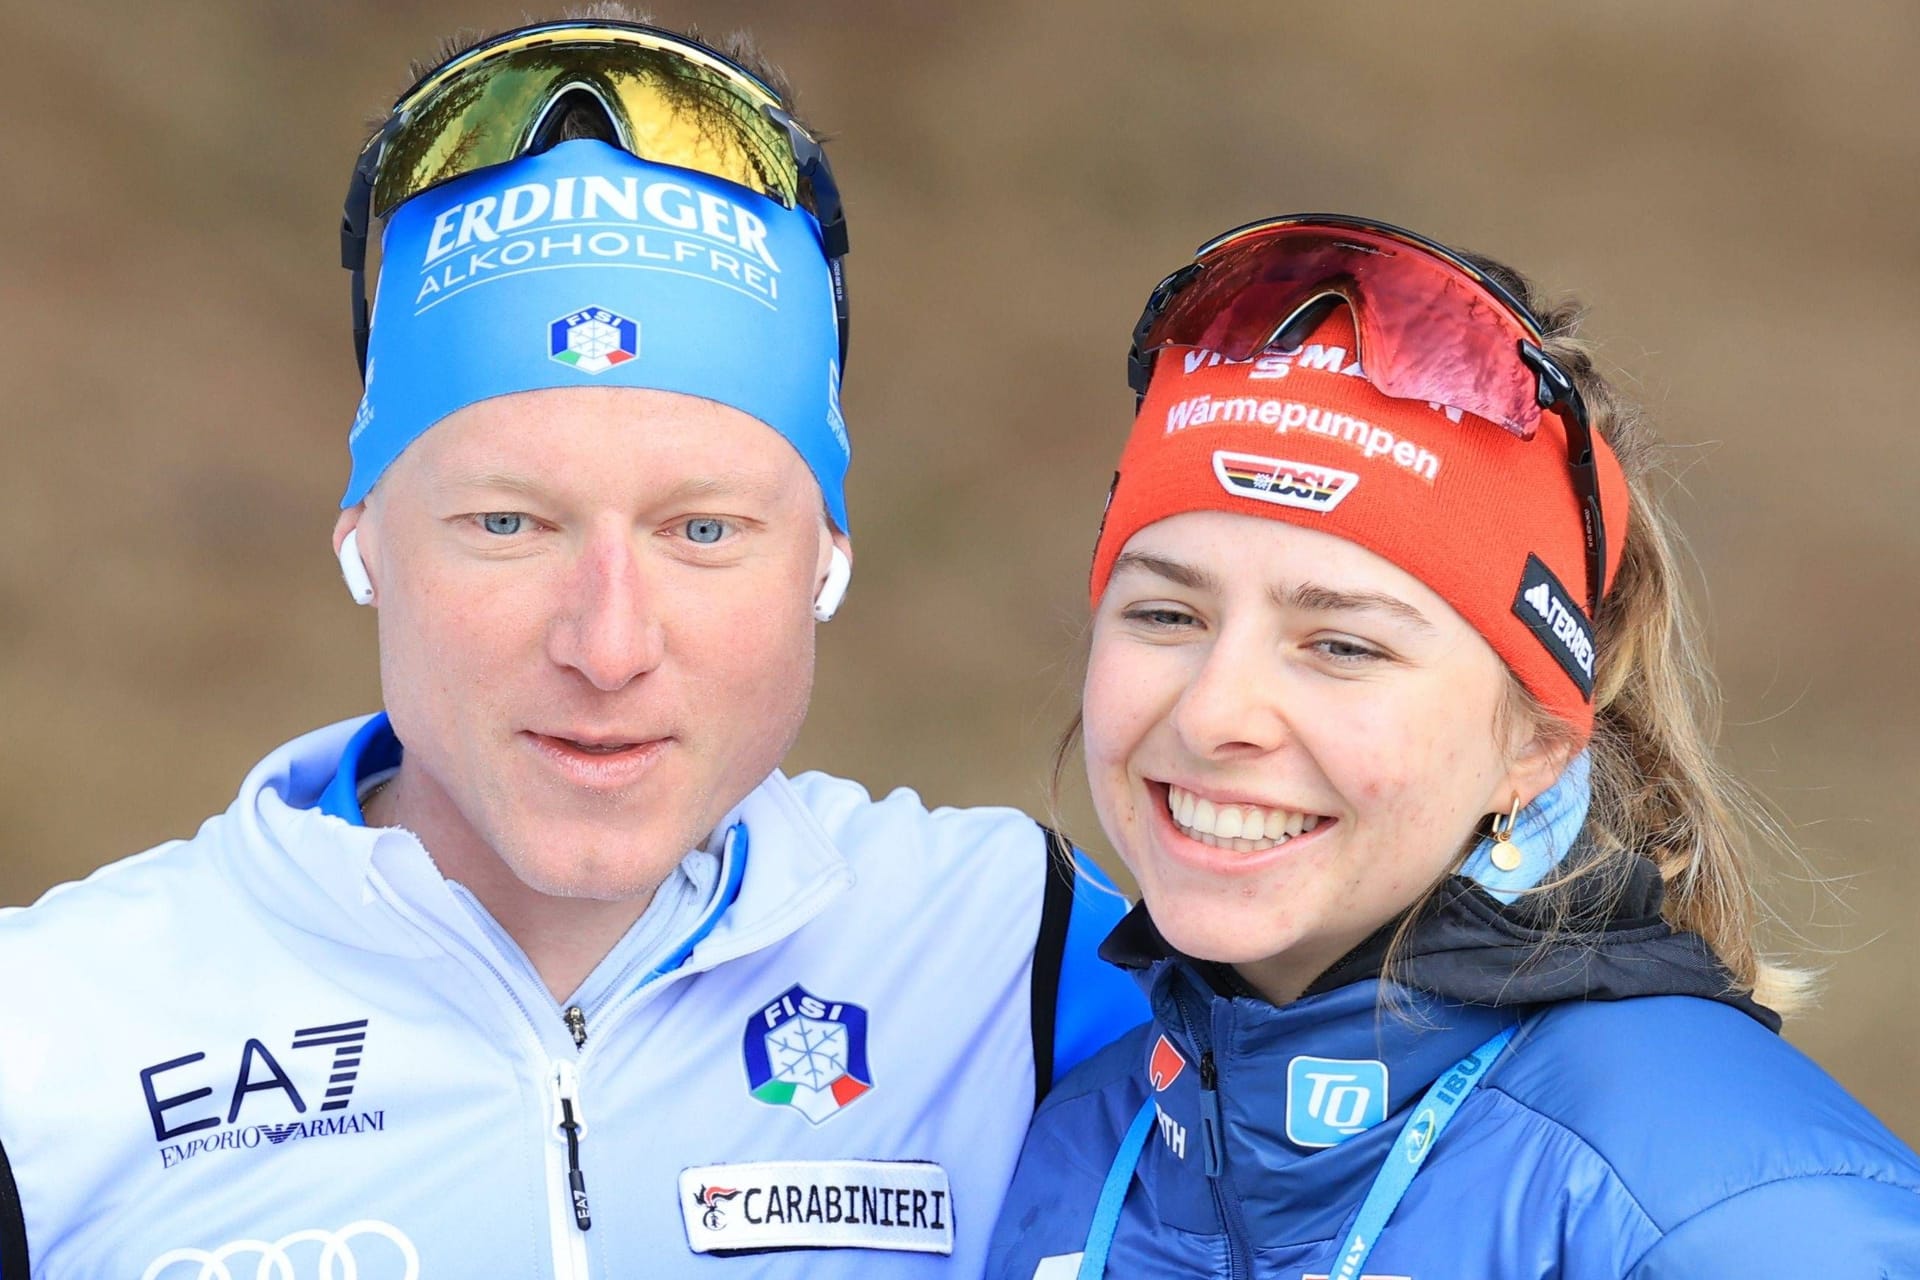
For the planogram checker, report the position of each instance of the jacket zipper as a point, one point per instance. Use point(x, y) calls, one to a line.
point(570, 1243)
point(568, 1237)
point(1213, 1142)
point(623, 989)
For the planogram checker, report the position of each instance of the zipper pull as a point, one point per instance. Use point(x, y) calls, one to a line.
point(577, 1023)
point(1210, 1141)
point(566, 1090)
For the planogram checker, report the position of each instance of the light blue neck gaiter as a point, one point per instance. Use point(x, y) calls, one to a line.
point(1544, 833)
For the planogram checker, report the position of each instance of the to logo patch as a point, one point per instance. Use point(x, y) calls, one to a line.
point(1283, 483)
point(1331, 1099)
point(900, 1205)
point(1165, 1066)
point(1557, 622)
point(593, 340)
point(807, 1053)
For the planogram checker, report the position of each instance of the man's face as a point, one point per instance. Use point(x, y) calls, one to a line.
point(595, 626)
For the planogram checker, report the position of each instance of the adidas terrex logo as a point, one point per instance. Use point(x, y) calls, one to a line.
point(1559, 624)
point(314, 1099)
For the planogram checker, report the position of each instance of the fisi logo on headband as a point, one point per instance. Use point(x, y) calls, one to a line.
point(593, 340)
point(1283, 483)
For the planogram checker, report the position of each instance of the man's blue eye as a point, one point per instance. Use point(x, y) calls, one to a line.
point(504, 523)
point(705, 530)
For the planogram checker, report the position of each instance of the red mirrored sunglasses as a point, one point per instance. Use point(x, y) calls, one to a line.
point(1431, 326)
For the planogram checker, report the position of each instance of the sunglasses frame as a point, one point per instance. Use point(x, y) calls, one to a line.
point(810, 160)
point(1554, 386)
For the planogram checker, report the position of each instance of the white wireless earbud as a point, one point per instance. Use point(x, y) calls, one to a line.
point(354, 569)
point(834, 589)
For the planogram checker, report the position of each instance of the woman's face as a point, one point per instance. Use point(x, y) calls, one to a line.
point(1288, 739)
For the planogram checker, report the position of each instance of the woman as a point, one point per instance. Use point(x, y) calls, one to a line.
point(1446, 916)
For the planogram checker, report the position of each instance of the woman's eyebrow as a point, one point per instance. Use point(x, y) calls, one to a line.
point(1314, 598)
point(1310, 597)
point(1189, 576)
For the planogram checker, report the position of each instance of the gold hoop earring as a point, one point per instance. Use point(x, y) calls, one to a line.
point(1506, 854)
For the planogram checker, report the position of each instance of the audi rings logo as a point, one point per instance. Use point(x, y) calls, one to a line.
point(364, 1250)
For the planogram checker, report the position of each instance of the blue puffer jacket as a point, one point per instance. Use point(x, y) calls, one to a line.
point(1640, 1124)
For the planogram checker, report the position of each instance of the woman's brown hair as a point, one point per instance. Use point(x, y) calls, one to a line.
point(1658, 789)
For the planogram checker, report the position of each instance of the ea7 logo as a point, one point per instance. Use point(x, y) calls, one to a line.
point(314, 1094)
point(261, 1072)
point(1331, 1099)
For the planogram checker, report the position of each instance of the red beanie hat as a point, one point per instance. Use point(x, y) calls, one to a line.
point(1487, 520)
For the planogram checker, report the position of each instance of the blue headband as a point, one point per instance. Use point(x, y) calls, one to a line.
point(585, 266)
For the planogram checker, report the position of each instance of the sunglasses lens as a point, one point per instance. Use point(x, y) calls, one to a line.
point(667, 107)
point(1428, 330)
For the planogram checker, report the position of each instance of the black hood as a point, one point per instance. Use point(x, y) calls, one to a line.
point(1601, 938)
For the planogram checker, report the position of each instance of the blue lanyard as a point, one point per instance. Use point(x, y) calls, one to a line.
point(1417, 1137)
point(1409, 1152)
point(1113, 1194)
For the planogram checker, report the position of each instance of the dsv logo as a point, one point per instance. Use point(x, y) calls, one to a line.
point(364, 1250)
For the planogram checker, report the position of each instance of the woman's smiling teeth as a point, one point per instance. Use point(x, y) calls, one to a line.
point(1241, 828)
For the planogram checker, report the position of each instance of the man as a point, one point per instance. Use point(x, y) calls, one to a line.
point(575, 982)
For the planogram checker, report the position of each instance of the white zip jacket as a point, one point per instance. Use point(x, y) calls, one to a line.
point(289, 1048)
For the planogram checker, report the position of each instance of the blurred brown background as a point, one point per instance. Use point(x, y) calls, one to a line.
point(1732, 185)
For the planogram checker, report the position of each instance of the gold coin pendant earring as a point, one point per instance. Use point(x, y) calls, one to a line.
point(1506, 854)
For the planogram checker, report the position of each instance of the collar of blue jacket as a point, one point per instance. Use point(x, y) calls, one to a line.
point(1092, 1001)
point(1287, 1083)
point(1607, 941)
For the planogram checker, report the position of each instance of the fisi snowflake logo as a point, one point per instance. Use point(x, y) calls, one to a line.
point(807, 1053)
point(593, 339)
